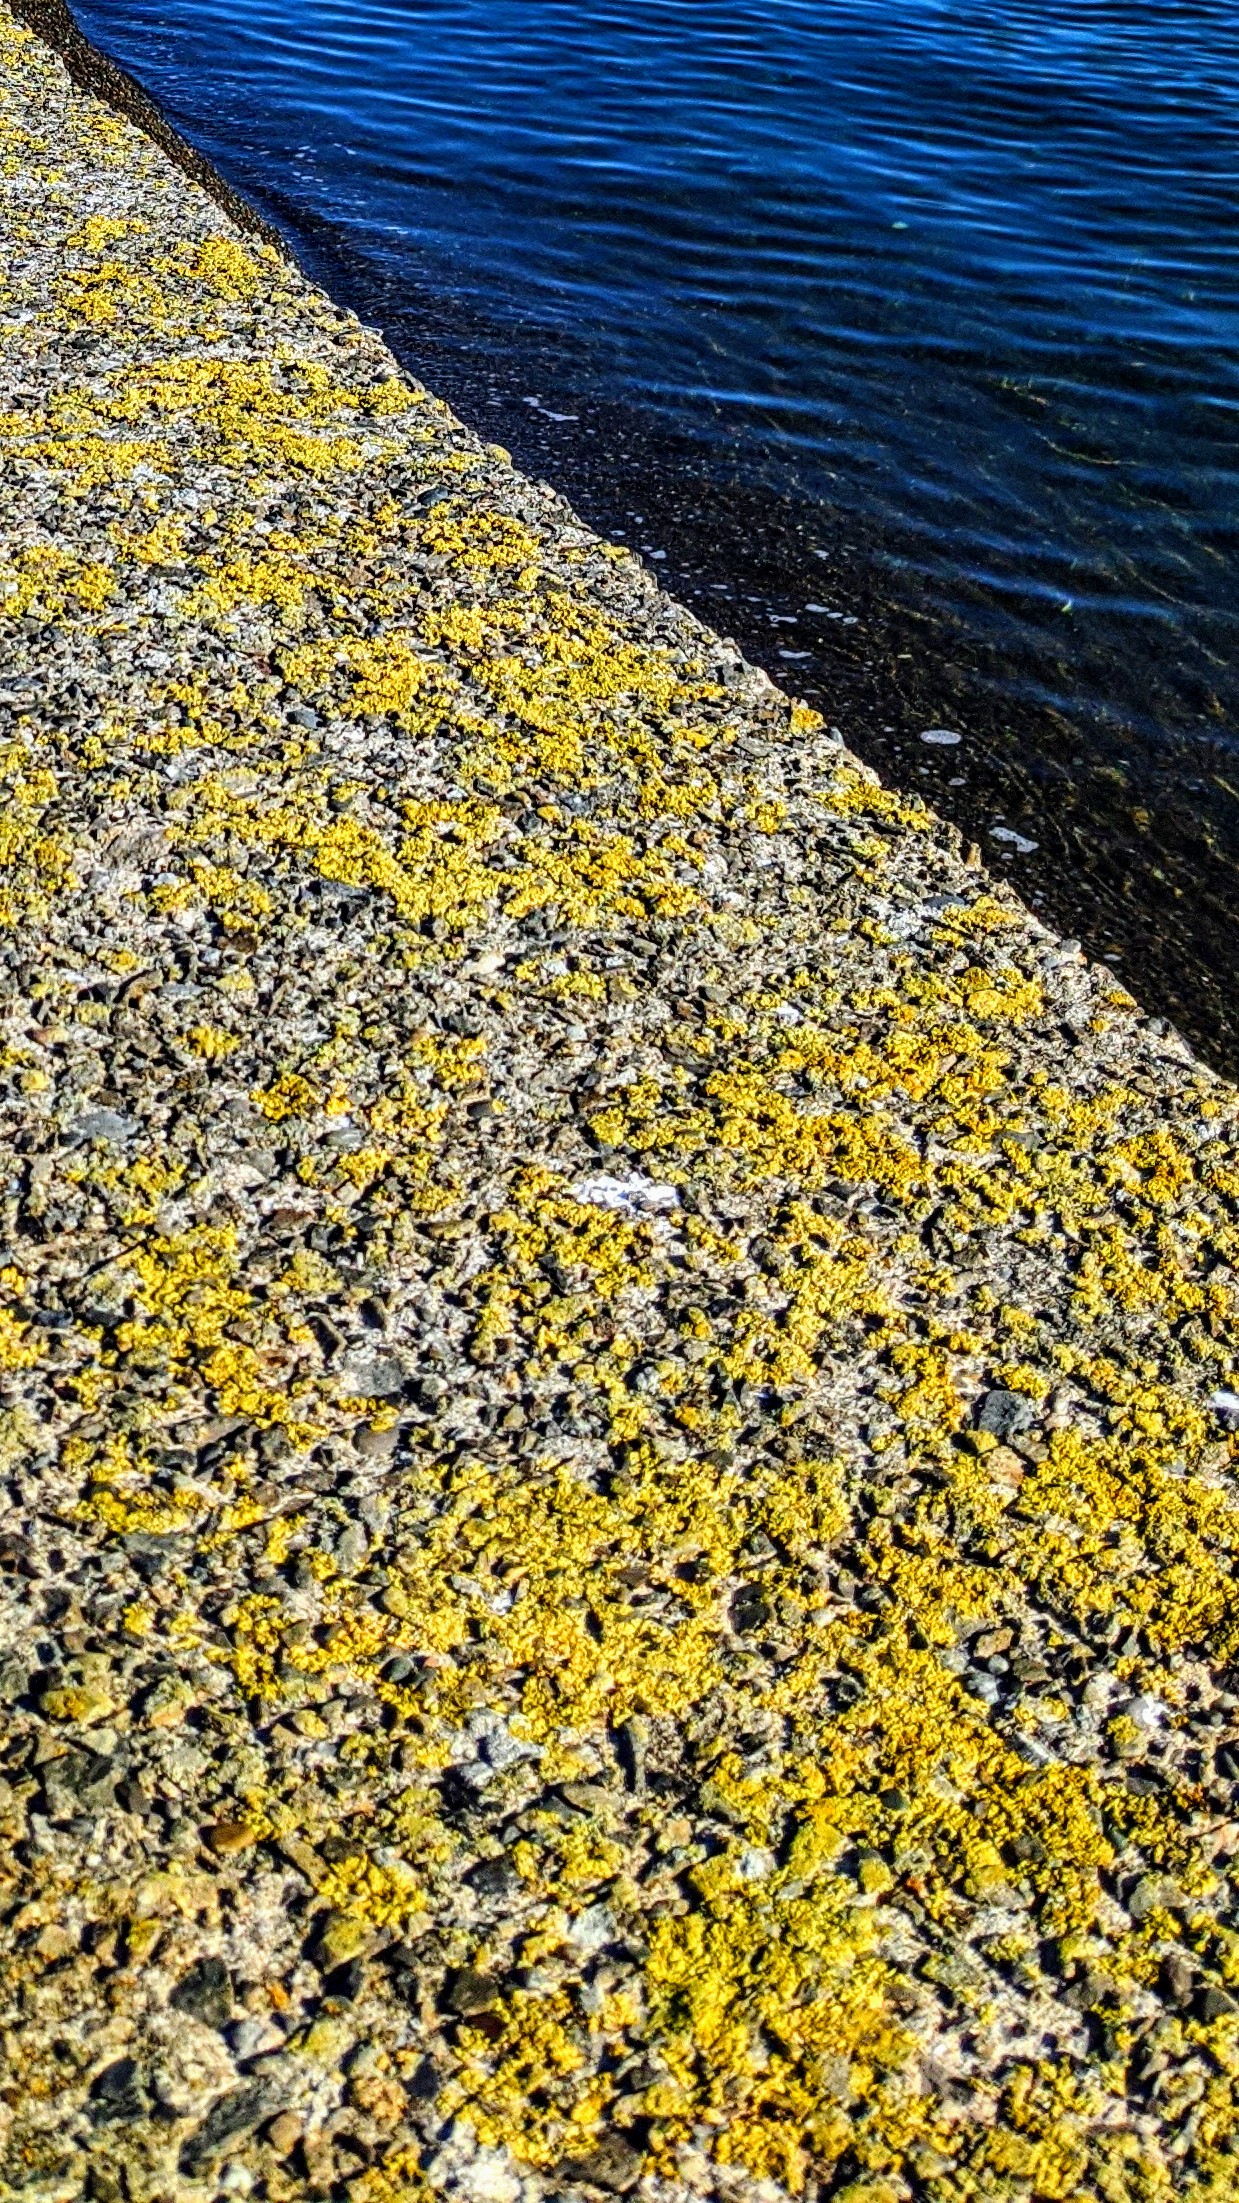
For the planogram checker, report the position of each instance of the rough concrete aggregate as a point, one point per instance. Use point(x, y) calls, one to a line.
point(618, 1376)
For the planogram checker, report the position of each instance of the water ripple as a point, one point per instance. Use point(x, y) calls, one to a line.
point(970, 271)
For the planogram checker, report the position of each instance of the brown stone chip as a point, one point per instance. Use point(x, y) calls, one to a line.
point(225, 1837)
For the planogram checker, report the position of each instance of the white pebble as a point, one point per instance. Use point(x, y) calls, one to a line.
point(633, 1195)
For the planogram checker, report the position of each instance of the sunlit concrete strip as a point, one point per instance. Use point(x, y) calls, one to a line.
point(618, 1373)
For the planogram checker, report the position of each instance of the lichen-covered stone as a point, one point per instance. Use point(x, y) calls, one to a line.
point(617, 1427)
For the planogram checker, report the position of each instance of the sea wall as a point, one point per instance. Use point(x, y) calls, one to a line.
point(616, 1451)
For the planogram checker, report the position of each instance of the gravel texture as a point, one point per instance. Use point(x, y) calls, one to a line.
point(616, 1459)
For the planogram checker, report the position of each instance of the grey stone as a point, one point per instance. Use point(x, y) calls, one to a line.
point(1151, 1893)
point(373, 1376)
point(15, 1672)
point(80, 1782)
point(1006, 1414)
point(205, 1992)
point(239, 2112)
point(110, 1125)
point(118, 2094)
point(1178, 1978)
point(376, 1445)
point(151, 1555)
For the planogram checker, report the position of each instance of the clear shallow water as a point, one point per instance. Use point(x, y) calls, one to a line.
point(945, 296)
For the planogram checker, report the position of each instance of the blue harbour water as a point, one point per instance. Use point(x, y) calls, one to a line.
point(901, 335)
